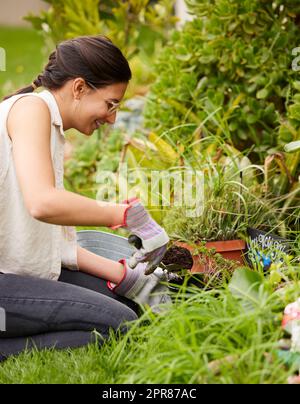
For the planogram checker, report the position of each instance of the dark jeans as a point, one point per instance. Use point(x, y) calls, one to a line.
point(44, 314)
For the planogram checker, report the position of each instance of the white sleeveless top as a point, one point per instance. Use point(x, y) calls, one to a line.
point(29, 246)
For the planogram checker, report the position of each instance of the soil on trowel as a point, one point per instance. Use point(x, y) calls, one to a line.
point(179, 256)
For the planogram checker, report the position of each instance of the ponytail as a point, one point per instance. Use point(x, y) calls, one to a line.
point(29, 89)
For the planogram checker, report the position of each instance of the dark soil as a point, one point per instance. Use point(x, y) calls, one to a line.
point(179, 261)
point(179, 256)
point(175, 255)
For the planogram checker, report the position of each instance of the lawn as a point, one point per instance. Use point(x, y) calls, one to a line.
point(24, 57)
point(206, 337)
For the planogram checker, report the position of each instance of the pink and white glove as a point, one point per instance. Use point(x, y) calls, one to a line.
point(153, 237)
point(151, 290)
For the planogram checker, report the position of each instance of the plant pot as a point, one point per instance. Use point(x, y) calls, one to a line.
point(230, 249)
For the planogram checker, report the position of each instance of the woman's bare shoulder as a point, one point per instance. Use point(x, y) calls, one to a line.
point(31, 103)
point(26, 111)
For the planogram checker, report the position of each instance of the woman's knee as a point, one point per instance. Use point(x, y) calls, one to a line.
point(126, 319)
point(120, 316)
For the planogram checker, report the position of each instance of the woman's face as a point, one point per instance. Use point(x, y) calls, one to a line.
point(95, 107)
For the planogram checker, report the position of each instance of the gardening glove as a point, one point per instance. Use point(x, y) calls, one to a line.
point(143, 289)
point(153, 238)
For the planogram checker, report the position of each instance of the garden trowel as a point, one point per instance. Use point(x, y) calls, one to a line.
point(175, 259)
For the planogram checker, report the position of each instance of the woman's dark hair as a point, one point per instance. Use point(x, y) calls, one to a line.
point(94, 58)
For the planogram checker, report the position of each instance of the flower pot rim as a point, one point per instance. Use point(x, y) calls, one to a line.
point(222, 246)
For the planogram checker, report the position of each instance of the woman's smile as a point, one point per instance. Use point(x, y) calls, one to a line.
point(98, 123)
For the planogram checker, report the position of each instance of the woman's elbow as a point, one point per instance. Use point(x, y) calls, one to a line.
point(37, 212)
point(42, 208)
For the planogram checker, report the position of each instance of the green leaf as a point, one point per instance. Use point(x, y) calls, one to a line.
point(294, 111)
point(285, 134)
point(184, 58)
point(262, 94)
point(245, 285)
point(292, 147)
point(251, 118)
point(296, 85)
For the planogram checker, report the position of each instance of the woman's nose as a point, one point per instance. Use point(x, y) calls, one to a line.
point(111, 119)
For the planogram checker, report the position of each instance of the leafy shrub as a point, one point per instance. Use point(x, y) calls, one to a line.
point(99, 152)
point(287, 168)
point(232, 63)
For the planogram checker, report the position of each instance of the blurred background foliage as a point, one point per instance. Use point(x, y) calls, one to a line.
point(138, 27)
point(24, 57)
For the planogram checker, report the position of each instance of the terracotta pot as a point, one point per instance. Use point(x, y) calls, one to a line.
point(230, 250)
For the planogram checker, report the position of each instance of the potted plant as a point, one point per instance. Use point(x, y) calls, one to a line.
point(233, 202)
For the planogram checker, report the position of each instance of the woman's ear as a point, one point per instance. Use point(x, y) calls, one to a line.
point(78, 88)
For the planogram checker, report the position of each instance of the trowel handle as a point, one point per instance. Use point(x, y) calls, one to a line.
point(136, 241)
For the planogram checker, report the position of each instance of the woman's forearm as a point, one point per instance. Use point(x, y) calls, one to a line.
point(66, 208)
point(101, 267)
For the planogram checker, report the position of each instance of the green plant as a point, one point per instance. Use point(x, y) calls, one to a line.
point(230, 206)
point(281, 169)
point(148, 154)
point(227, 72)
point(104, 153)
point(218, 271)
point(101, 152)
point(144, 156)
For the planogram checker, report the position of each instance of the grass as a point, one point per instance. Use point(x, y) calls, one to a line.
point(24, 57)
point(206, 337)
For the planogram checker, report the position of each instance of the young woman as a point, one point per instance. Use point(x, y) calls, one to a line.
point(54, 292)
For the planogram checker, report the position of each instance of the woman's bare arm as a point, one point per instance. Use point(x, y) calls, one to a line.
point(29, 126)
point(99, 266)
